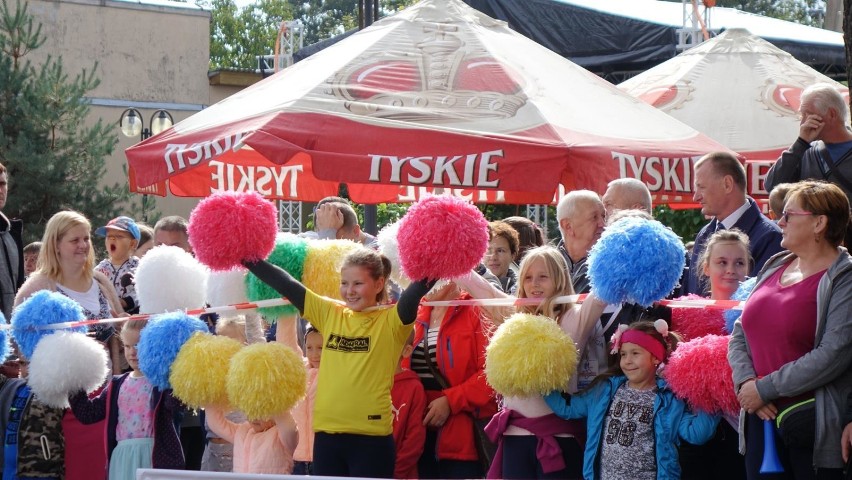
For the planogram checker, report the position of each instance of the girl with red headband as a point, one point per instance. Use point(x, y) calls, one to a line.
point(634, 422)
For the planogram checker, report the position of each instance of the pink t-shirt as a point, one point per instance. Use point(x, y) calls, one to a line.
point(135, 415)
point(779, 321)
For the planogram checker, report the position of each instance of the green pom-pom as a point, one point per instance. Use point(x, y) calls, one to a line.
point(199, 371)
point(265, 380)
point(290, 253)
point(530, 355)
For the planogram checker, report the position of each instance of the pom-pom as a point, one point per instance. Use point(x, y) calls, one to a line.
point(441, 237)
point(200, 370)
point(742, 293)
point(389, 247)
point(65, 363)
point(322, 265)
point(169, 279)
point(228, 227)
point(161, 340)
point(696, 322)
point(5, 343)
point(43, 308)
point(290, 253)
point(550, 356)
point(698, 372)
point(636, 261)
point(227, 287)
point(265, 380)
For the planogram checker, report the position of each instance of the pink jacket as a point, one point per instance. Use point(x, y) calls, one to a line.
point(270, 451)
point(303, 413)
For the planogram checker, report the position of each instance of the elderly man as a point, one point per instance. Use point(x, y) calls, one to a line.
point(824, 146)
point(581, 218)
point(627, 194)
point(334, 217)
point(720, 188)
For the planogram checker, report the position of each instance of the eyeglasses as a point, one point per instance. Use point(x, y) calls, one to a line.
point(785, 215)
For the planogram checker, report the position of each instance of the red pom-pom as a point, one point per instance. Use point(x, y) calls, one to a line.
point(697, 322)
point(441, 237)
point(227, 228)
point(698, 372)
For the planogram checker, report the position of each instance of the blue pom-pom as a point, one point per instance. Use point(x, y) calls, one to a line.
point(5, 343)
point(160, 342)
point(43, 308)
point(742, 293)
point(636, 261)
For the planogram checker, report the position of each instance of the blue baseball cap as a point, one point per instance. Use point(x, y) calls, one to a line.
point(126, 224)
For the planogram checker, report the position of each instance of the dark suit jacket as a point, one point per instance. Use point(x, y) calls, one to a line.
point(764, 241)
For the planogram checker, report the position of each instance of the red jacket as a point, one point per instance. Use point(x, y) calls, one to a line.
point(462, 339)
point(409, 433)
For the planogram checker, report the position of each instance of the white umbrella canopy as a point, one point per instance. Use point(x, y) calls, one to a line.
point(439, 96)
point(736, 88)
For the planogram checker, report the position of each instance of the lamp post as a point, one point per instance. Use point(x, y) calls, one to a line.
point(132, 124)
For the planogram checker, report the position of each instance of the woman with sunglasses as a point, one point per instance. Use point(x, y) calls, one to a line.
point(790, 351)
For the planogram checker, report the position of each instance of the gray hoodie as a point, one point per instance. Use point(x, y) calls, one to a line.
point(825, 369)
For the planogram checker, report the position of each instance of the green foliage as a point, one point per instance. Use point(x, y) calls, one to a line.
point(685, 223)
point(54, 160)
point(238, 36)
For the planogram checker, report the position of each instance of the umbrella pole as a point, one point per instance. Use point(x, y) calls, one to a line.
point(368, 12)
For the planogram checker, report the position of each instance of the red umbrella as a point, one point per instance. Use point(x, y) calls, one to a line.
point(438, 96)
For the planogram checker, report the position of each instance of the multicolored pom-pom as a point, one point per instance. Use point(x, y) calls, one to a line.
point(323, 262)
point(389, 247)
point(549, 356)
point(742, 293)
point(698, 372)
point(265, 380)
point(441, 237)
point(636, 261)
point(290, 254)
point(168, 279)
point(229, 227)
point(65, 363)
point(160, 342)
point(43, 308)
point(696, 322)
point(199, 373)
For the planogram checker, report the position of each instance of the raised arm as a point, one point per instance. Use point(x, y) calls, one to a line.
point(280, 280)
point(409, 301)
point(478, 287)
point(288, 433)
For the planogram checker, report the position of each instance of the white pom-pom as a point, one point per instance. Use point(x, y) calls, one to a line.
point(65, 363)
point(389, 247)
point(661, 326)
point(170, 279)
point(227, 288)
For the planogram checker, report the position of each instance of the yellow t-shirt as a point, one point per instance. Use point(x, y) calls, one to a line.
point(360, 354)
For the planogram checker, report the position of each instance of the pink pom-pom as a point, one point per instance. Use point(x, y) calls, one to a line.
point(441, 237)
point(698, 372)
point(227, 228)
point(697, 322)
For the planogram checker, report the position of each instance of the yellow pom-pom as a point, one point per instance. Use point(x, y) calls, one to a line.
point(529, 355)
point(322, 265)
point(199, 371)
point(265, 380)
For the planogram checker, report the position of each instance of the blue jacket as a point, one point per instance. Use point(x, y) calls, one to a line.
point(672, 422)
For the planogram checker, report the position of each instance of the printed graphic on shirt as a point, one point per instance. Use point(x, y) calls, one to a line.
point(628, 449)
point(396, 411)
point(348, 344)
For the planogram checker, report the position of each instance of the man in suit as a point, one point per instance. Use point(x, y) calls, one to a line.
point(720, 188)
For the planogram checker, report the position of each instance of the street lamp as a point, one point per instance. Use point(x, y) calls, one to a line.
point(132, 124)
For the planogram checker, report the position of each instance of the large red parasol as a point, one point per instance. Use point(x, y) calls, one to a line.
point(438, 96)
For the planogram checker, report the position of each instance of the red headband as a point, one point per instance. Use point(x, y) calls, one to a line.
point(645, 341)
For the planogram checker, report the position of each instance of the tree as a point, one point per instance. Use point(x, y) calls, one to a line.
point(54, 161)
point(238, 36)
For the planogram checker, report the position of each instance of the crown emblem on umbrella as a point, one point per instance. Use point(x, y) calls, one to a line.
point(442, 79)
